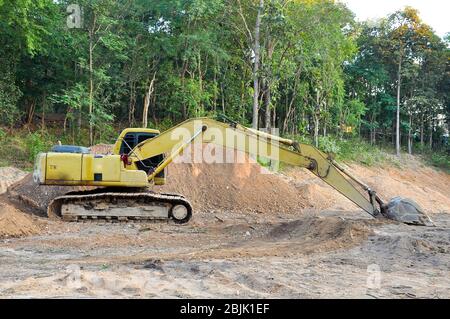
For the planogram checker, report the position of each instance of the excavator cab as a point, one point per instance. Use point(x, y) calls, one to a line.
point(131, 137)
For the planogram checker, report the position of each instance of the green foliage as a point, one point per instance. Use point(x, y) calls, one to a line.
point(359, 151)
point(441, 160)
point(35, 143)
point(106, 134)
point(19, 149)
point(329, 144)
point(165, 125)
point(9, 97)
point(319, 70)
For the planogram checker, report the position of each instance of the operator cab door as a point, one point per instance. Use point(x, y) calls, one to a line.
point(130, 141)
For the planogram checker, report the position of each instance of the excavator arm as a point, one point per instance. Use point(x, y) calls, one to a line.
point(124, 175)
point(257, 143)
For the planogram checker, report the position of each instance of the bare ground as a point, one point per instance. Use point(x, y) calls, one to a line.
point(323, 248)
point(318, 256)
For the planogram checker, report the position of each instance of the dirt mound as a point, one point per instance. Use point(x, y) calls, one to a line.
point(35, 198)
point(315, 193)
point(307, 235)
point(320, 233)
point(101, 149)
point(244, 186)
point(8, 176)
point(426, 186)
point(14, 223)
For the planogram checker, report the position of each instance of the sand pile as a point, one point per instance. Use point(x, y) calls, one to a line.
point(320, 233)
point(101, 149)
point(244, 186)
point(428, 187)
point(315, 193)
point(35, 198)
point(425, 185)
point(8, 176)
point(14, 223)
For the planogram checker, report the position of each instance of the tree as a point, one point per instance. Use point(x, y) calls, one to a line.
point(404, 36)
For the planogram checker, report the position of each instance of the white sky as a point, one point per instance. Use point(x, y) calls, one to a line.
point(435, 13)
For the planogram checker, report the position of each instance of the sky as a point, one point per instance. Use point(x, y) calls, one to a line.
point(435, 13)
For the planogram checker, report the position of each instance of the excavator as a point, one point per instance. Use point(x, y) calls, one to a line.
point(120, 182)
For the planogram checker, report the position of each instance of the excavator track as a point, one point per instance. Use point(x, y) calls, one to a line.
point(120, 206)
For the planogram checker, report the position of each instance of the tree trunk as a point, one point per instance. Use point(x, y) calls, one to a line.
point(410, 135)
point(316, 118)
point(91, 88)
point(421, 132)
point(372, 129)
point(431, 132)
point(397, 139)
point(316, 129)
point(216, 88)
point(256, 50)
point(184, 110)
point(147, 100)
point(268, 82)
point(200, 85)
point(44, 104)
point(267, 98)
point(31, 111)
point(222, 97)
point(132, 104)
point(155, 120)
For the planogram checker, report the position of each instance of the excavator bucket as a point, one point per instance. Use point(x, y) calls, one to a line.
point(407, 211)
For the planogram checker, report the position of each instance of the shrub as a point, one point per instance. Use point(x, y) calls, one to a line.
point(2, 134)
point(441, 160)
point(36, 143)
point(329, 144)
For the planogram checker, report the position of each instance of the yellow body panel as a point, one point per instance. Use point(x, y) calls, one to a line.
point(87, 171)
point(82, 169)
point(109, 166)
point(65, 168)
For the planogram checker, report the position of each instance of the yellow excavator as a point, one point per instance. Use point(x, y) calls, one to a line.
point(121, 180)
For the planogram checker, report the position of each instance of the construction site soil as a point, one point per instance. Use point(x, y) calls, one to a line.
point(254, 234)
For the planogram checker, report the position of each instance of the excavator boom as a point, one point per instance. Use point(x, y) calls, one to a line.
point(253, 142)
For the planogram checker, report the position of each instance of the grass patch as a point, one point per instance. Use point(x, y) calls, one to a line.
point(359, 151)
point(440, 160)
point(352, 149)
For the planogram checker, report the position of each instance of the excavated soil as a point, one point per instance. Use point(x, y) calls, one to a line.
point(33, 198)
point(427, 186)
point(14, 223)
point(243, 186)
point(254, 234)
point(9, 176)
